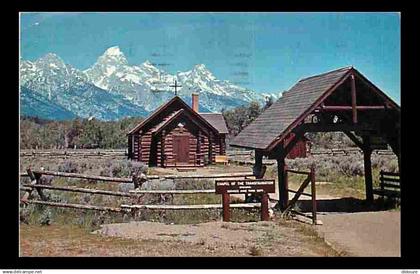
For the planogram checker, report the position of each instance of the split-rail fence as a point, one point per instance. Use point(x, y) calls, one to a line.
point(35, 184)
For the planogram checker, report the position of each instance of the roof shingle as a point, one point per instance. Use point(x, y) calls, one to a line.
point(273, 121)
point(216, 120)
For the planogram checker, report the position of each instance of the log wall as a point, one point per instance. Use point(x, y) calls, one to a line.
point(157, 148)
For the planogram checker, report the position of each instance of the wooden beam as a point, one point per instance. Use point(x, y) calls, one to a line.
point(283, 189)
point(258, 165)
point(264, 208)
point(353, 98)
point(34, 181)
point(226, 209)
point(174, 191)
point(313, 194)
point(299, 172)
point(77, 206)
point(377, 90)
point(335, 108)
point(83, 190)
point(190, 207)
point(314, 127)
point(84, 176)
point(197, 176)
point(298, 194)
point(150, 177)
point(303, 193)
point(354, 139)
point(367, 152)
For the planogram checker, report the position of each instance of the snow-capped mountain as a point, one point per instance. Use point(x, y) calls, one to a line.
point(35, 104)
point(112, 88)
point(49, 78)
point(149, 86)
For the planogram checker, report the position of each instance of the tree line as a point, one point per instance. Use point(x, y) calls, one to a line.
point(92, 133)
point(77, 133)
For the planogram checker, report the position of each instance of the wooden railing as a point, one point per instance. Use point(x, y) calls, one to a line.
point(310, 179)
point(389, 185)
point(74, 152)
point(347, 151)
point(35, 184)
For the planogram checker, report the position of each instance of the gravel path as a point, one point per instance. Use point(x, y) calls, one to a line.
point(363, 234)
point(223, 239)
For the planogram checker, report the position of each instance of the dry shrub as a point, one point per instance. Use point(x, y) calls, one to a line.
point(122, 168)
point(347, 165)
point(194, 184)
point(69, 166)
point(46, 217)
point(165, 184)
point(46, 180)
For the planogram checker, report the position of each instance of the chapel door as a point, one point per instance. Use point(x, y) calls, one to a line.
point(181, 148)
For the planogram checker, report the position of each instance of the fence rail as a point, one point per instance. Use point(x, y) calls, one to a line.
point(80, 190)
point(348, 151)
point(190, 207)
point(130, 180)
point(35, 185)
point(76, 206)
point(73, 153)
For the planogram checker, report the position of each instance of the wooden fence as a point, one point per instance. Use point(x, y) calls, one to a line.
point(74, 153)
point(347, 151)
point(35, 184)
point(310, 179)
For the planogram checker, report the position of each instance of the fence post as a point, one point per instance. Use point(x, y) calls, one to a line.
point(286, 185)
point(313, 194)
point(264, 207)
point(226, 209)
point(135, 180)
point(34, 181)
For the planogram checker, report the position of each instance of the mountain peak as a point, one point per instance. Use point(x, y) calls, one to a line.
point(200, 71)
point(147, 63)
point(50, 60)
point(51, 57)
point(113, 56)
point(200, 67)
point(114, 51)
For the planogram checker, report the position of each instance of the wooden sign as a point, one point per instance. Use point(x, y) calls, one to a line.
point(248, 186)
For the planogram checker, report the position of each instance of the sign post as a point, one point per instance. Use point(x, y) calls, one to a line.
point(226, 208)
point(247, 186)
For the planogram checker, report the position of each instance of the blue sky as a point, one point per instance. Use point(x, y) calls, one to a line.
point(267, 52)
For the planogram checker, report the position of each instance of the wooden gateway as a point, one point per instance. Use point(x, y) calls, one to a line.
point(178, 135)
point(340, 100)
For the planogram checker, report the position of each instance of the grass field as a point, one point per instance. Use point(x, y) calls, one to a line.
point(47, 231)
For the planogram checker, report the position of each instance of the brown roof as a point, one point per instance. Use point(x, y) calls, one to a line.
point(216, 120)
point(155, 113)
point(184, 106)
point(294, 105)
point(167, 120)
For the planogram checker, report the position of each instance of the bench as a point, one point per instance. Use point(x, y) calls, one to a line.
point(389, 185)
point(221, 159)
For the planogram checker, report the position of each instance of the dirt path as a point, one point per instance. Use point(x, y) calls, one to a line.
point(363, 234)
point(278, 238)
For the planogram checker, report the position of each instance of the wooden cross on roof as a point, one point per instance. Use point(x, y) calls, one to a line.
point(175, 86)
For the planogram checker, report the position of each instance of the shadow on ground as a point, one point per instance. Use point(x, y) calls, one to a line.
point(347, 204)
